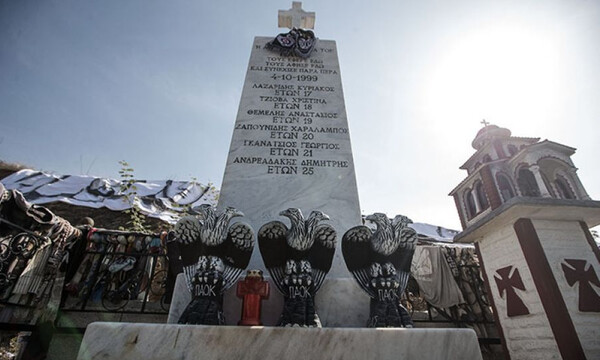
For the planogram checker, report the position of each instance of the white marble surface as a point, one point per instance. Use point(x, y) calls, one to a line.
point(185, 342)
point(181, 298)
point(312, 87)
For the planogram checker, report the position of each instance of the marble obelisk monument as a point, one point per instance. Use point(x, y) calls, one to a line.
point(291, 144)
point(290, 148)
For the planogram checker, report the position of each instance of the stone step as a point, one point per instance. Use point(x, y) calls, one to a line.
point(125, 341)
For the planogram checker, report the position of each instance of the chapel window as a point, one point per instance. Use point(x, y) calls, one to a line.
point(481, 196)
point(505, 188)
point(563, 188)
point(547, 183)
point(512, 149)
point(470, 204)
point(527, 183)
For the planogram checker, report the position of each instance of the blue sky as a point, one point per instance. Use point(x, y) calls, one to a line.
point(84, 84)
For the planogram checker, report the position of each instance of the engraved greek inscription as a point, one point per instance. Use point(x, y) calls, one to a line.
point(273, 98)
point(257, 160)
point(313, 114)
point(299, 65)
point(283, 135)
point(320, 146)
point(283, 152)
point(327, 130)
point(282, 170)
point(287, 92)
point(310, 71)
point(265, 113)
point(283, 105)
point(273, 86)
point(285, 120)
point(261, 127)
point(325, 163)
point(290, 111)
point(316, 88)
point(281, 69)
point(271, 143)
point(308, 171)
point(307, 100)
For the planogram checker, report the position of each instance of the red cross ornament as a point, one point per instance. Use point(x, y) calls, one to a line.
point(253, 289)
point(507, 283)
point(577, 270)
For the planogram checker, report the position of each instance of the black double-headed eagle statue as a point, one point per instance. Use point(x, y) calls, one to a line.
point(213, 254)
point(380, 261)
point(298, 258)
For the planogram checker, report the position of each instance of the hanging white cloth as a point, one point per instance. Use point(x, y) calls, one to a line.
point(430, 269)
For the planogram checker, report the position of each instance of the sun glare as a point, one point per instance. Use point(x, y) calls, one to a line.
point(503, 72)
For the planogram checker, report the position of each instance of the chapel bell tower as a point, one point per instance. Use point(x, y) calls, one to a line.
point(528, 214)
point(505, 166)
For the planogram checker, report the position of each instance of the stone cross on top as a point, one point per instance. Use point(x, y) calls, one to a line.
point(296, 17)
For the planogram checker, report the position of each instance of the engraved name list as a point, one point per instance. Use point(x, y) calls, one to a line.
point(290, 120)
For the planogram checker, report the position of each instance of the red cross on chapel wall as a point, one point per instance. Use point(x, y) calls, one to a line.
point(508, 282)
point(581, 271)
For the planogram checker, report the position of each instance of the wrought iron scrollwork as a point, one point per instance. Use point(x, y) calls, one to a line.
point(15, 252)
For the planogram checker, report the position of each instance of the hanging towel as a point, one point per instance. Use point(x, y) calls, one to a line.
point(434, 276)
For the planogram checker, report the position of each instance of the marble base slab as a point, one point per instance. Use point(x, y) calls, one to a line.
point(340, 303)
point(165, 341)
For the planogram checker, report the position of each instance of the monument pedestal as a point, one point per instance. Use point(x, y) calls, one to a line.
point(154, 341)
point(340, 302)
